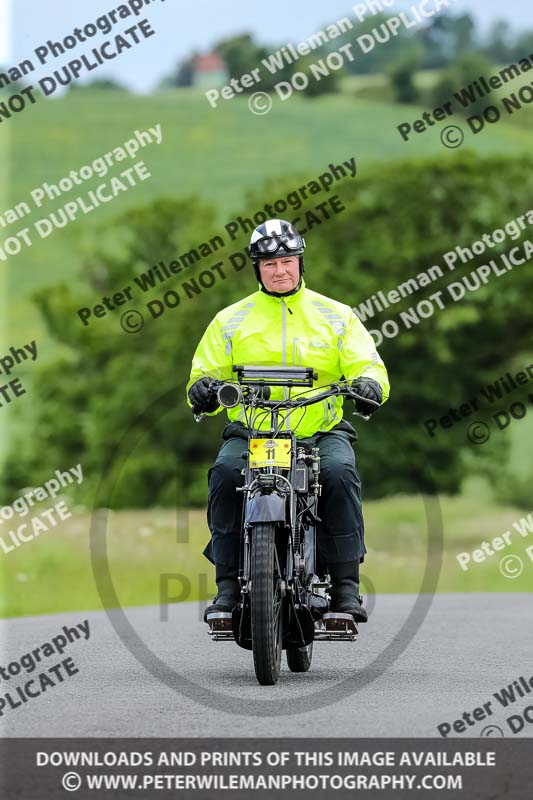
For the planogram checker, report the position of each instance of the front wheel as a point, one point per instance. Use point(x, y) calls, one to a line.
point(266, 602)
point(299, 658)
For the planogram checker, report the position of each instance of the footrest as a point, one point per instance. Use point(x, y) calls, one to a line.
point(220, 626)
point(334, 626)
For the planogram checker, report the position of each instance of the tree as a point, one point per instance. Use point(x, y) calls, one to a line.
point(182, 75)
point(401, 76)
point(447, 37)
point(466, 69)
point(522, 45)
point(498, 42)
point(185, 73)
point(105, 84)
point(90, 397)
point(378, 58)
point(14, 87)
point(319, 84)
point(240, 53)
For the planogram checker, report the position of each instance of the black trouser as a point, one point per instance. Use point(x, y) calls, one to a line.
point(340, 534)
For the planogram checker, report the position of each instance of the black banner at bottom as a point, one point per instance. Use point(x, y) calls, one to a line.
point(37, 769)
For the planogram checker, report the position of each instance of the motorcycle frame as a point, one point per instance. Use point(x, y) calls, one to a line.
point(271, 496)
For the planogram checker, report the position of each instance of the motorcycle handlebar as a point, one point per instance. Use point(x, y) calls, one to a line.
point(231, 394)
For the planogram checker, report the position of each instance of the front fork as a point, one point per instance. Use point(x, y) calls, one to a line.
point(265, 499)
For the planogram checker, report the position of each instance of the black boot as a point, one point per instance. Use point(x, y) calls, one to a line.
point(345, 597)
point(229, 590)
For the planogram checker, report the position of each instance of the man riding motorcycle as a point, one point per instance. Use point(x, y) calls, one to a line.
point(284, 323)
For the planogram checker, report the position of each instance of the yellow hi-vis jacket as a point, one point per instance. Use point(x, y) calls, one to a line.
point(302, 329)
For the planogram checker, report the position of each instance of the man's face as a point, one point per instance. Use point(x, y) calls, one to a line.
point(280, 274)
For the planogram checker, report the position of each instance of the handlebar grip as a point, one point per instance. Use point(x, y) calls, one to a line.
point(354, 396)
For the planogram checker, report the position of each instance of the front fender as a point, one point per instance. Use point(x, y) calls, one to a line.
point(265, 508)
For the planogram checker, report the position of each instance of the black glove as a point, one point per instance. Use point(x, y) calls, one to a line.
point(203, 399)
point(369, 388)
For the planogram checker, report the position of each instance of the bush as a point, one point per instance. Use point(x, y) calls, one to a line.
point(401, 75)
point(466, 69)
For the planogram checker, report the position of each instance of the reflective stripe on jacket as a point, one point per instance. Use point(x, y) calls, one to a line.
point(303, 329)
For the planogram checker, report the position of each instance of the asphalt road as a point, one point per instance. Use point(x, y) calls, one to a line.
point(398, 679)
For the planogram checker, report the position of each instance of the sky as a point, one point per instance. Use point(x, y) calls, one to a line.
point(184, 27)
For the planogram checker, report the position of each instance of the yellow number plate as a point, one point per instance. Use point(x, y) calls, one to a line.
point(270, 453)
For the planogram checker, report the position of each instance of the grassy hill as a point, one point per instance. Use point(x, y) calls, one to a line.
point(215, 153)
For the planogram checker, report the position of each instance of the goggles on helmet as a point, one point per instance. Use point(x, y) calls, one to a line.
point(269, 245)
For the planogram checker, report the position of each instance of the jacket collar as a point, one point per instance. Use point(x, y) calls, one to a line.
point(289, 299)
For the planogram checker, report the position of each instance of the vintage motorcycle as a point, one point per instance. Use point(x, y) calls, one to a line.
point(284, 602)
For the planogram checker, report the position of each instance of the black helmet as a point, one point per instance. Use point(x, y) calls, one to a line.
point(275, 237)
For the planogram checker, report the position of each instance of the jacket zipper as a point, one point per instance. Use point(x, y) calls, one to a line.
point(284, 355)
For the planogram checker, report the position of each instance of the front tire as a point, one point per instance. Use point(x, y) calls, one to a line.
point(266, 602)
